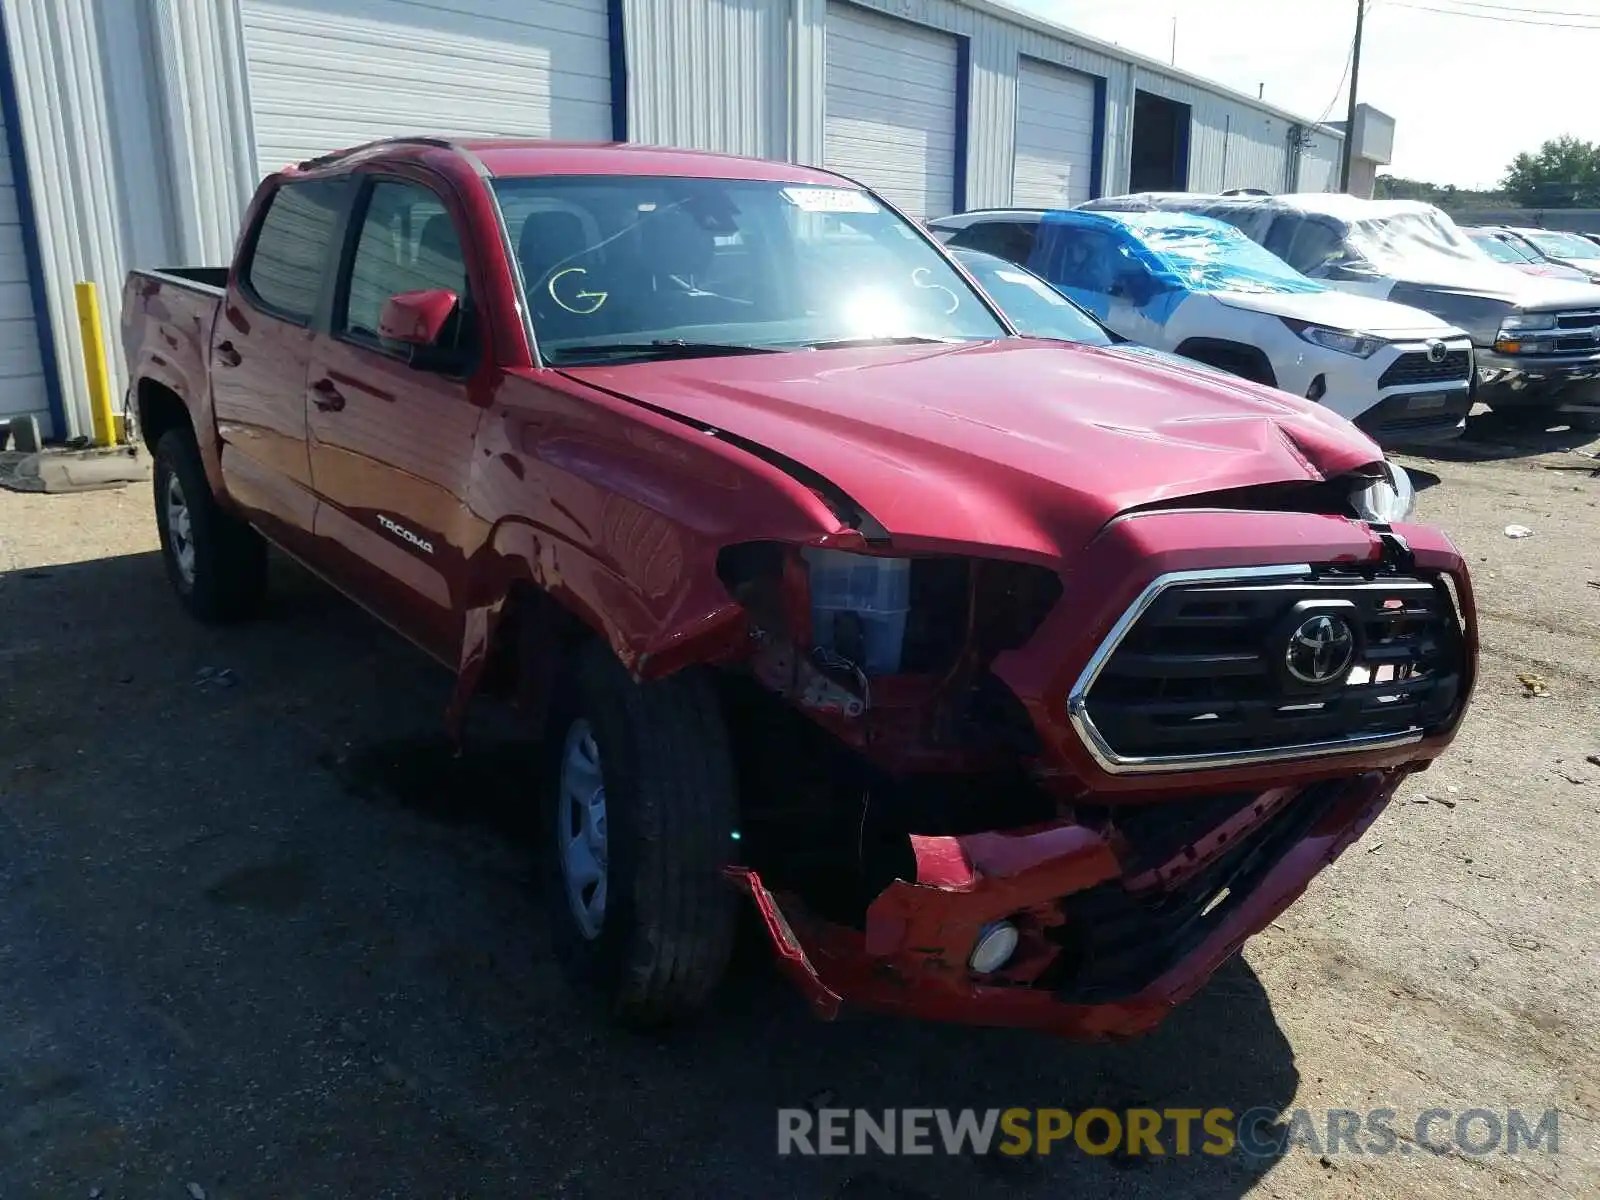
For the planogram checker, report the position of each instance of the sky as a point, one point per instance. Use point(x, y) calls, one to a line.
point(1467, 93)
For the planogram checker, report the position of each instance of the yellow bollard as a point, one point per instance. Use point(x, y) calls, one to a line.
point(94, 364)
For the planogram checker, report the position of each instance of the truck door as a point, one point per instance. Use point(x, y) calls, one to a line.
point(392, 442)
point(261, 349)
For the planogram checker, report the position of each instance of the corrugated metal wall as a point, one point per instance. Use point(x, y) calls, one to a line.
point(996, 45)
point(86, 114)
point(709, 75)
point(326, 75)
point(1319, 163)
point(24, 384)
point(1233, 143)
point(210, 143)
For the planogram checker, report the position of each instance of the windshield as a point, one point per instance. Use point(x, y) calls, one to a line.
point(1216, 257)
point(655, 265)
point(1034, 307)
point(1499, 249)
point(1562, 245)
point(1409, 244)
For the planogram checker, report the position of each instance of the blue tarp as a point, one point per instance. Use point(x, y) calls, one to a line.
point(1089, 250)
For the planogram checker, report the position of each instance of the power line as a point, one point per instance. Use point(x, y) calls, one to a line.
point(1338, 88)
point(1483, 16)
point(1522, 9)
point(1349, 57)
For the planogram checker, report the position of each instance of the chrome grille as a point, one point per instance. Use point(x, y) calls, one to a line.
point(1200, 675)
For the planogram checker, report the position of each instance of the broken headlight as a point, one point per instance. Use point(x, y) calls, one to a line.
point(1388, 498)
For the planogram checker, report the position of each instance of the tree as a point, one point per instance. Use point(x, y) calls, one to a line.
point(1447, 196)
point(1563, 173)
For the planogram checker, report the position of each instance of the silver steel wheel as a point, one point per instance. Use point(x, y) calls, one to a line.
point(180, 533)
point(581, 829)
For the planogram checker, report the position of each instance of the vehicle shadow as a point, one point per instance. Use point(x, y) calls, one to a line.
point(1492, 436)
point(318, 925)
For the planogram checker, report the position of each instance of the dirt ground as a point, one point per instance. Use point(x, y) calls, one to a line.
point(260, 934)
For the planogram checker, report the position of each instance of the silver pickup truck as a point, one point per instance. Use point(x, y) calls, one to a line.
point(1536, 341)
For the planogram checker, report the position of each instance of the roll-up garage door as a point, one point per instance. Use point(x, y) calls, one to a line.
point(890, 108)
point(1055, 137)
point(22, 386)
point(325, 74)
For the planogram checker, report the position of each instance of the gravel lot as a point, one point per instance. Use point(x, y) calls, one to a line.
point(261, 934)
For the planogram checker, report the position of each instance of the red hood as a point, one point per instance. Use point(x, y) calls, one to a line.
point(1021, 444)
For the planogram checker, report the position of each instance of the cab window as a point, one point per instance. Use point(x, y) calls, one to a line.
point(292, 247)
point(408, 243)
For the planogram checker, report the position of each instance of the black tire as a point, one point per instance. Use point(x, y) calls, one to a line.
point(671, 808)
point(229, 565)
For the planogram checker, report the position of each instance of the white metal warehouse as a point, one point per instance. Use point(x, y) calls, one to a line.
point(135, 133)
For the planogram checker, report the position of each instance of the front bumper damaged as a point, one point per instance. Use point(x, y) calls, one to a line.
point(1108, 945)
point(1160, 860)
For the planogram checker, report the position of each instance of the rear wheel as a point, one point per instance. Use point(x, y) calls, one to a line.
point(216, 563)
point(642, 815)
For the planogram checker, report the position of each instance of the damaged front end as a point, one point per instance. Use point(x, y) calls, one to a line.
point(1001, 792)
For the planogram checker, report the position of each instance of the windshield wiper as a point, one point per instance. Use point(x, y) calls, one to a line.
point(659, 348)
point(906, 340)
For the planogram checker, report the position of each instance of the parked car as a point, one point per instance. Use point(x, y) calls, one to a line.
point(1503, 246)
point(1034, 307)
point(1200, 288)
point(1038, 309)
point(1011, 681)
point(1570, 250)
point(1537, 340)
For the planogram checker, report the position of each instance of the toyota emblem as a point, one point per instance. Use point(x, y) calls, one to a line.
point(1320, 650)
point(1437, 350)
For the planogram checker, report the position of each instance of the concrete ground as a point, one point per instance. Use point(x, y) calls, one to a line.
point(260, 936)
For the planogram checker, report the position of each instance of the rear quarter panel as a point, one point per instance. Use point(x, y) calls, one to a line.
point(166, 334)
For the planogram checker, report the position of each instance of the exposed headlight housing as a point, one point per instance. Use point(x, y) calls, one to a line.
point(1388, 498)
point(1361, 345)
point(1525, 321)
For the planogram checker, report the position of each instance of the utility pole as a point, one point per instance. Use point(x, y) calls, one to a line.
point(1350, 114)
point(1174, 59)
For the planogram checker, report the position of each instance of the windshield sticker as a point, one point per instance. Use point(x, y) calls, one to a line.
point(829, 200)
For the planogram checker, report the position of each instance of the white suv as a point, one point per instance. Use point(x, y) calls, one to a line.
point(1200, 288)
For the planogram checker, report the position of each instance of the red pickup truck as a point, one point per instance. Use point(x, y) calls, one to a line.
point(1011, 681)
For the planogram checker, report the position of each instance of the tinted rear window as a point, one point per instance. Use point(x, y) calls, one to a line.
point(294, 246)
point(1010, 240)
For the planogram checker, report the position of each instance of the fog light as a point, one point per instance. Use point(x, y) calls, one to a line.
point(996, 944)
point(1318, 388)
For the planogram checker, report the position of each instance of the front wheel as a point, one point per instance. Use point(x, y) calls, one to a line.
point(642, 815)
point(216, 563)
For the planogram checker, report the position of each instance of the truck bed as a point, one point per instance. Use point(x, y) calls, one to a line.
point(167, 316)
point(208, 278)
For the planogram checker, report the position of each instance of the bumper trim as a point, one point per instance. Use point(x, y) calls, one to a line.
point(910, 959)
point(1117, 764)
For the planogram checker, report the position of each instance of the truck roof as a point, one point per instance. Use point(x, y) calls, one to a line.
point(502, 157)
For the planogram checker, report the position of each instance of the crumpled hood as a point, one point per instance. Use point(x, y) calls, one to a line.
point(1022, 444)
point(1342, 310)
